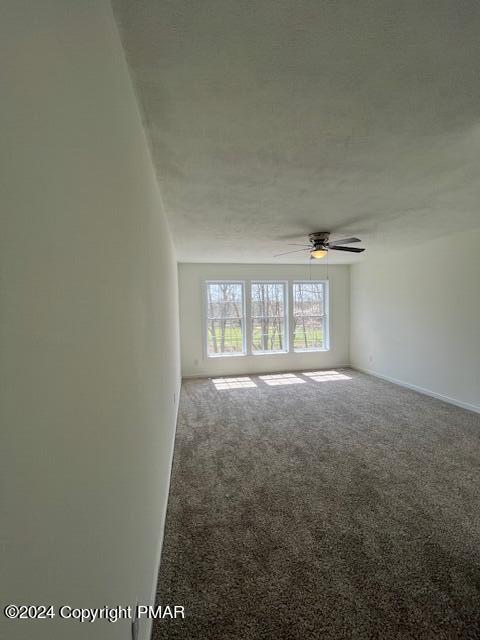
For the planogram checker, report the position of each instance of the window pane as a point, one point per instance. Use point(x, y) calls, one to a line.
point(268, 316)
point(308, 333)
point(225, 336)
point(225, 318)
point(268, 334)
point(268, 299)
point(308, 299)
point(225, 300)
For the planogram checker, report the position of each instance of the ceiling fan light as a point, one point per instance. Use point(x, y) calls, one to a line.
point(318, 254)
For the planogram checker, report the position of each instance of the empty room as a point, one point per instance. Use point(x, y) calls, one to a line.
point(240, 320)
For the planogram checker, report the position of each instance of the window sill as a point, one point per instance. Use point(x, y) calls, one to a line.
point(270, 353)
point(266, 353)
point(225, 355)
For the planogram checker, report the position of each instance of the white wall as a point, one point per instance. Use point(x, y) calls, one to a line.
point(89, 343)
point(194, 362)
point(415, 317)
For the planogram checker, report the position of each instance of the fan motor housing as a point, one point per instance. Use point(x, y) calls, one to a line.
point(319, 239)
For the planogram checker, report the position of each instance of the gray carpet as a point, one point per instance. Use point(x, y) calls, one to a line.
point(337, 507)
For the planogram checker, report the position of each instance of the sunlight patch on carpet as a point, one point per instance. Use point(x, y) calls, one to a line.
point(326, 376)
point(233, 383)
point(281, 379)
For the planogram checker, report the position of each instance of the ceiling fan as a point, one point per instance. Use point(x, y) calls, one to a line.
point(320, 245)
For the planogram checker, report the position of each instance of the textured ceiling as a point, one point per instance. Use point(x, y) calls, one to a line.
point(269, 119)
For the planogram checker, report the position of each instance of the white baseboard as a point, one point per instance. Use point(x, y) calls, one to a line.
point(147, 629)
point(414, 387)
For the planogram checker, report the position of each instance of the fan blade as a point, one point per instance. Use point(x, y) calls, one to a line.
point(297, 244)
point(287, 252)
point(352, 249)
point(346, 241)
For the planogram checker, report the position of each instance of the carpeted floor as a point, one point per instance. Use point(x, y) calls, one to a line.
point(329, 506)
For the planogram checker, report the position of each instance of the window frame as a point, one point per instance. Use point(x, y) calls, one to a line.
point(325, 317)
point(206, 318)
point(286, 317)
point(246, 319)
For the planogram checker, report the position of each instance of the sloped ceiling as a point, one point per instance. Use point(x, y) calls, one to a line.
point(269, 119)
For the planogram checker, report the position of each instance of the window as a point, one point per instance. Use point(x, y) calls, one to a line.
point(310, 322)
point(265, 317)
point(225, 318)
point(268, 316)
